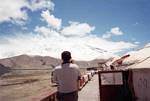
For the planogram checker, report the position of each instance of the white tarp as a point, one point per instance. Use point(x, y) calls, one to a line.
point(141, 84)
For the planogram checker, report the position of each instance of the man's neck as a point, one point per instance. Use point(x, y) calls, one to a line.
point(64, 62)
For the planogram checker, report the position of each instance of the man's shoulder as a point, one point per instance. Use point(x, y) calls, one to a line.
point(58, 67)
point(74, 65)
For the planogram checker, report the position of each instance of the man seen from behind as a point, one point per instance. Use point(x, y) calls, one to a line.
point(67, 76)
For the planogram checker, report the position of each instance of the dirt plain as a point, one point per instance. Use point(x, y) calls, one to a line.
point(26, 87)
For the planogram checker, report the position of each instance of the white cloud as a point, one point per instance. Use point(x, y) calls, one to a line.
point(11, 10)
point(120, 46)
point(51, 19)
point(113, 31)
point(116, 31)
point(77, 29)
point(15, 11)
point(52, 40)
point(106, 36)
point(40, 4)
point(83, 48)
point(44, 31)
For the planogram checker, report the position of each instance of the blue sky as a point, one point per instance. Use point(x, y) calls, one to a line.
point(117, 25)
point(132, 16)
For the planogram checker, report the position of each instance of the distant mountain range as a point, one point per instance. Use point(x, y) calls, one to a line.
point(24, 63)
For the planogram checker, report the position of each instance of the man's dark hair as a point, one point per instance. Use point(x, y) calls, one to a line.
point(66, 56)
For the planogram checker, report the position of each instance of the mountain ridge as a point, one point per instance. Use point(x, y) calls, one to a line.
point(18, 64)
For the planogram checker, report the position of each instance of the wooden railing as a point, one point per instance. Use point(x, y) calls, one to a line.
point(51, 97)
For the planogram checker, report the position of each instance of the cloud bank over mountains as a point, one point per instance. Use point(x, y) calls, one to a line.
point(53, 38)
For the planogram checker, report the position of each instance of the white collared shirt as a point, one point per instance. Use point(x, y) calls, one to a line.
point(66, 76)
